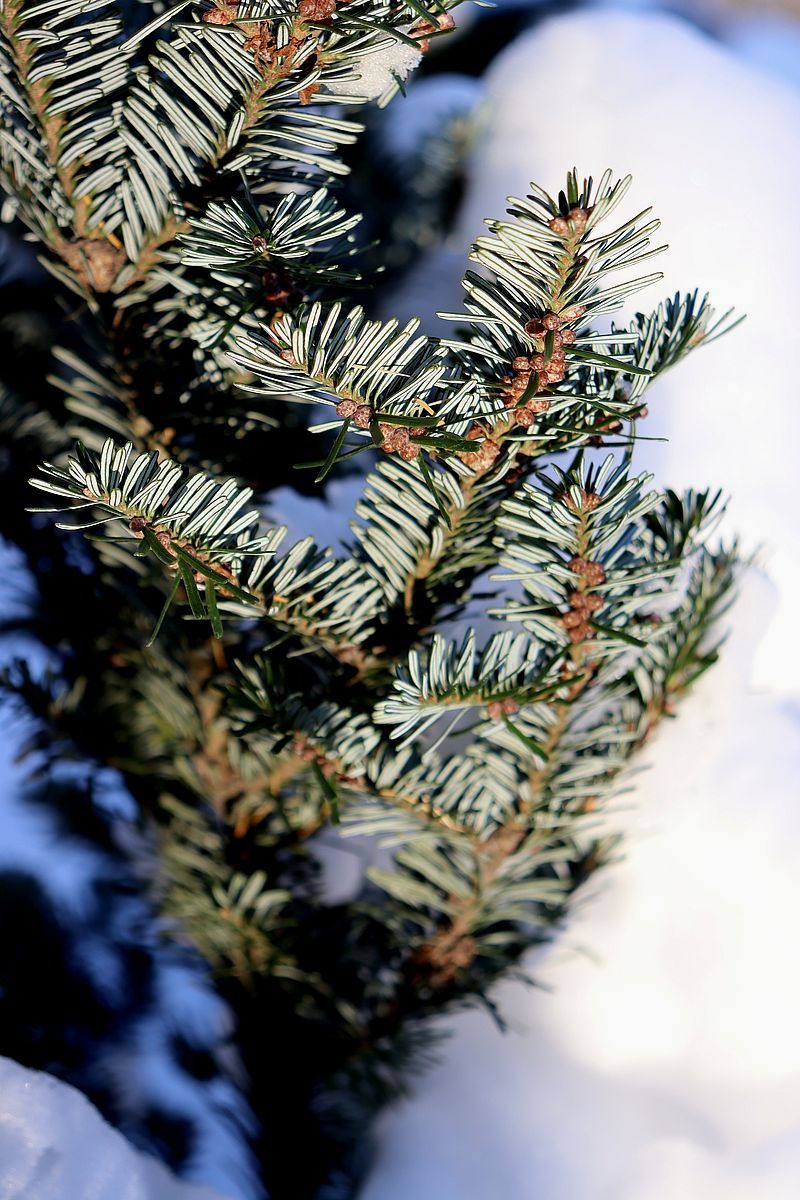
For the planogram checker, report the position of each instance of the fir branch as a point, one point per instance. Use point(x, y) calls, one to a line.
point(391, 385)
point(485, 763)
point(61, 79)
point(196, 521)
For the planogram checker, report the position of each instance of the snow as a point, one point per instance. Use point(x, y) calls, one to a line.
point(662, 1061)
point(46, 1128)
point(377, 71)
point(768, 40)
point(145, 1070)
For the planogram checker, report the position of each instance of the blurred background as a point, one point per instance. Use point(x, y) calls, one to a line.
point(659, 1060)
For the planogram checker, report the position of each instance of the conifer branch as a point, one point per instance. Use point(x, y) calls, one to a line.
point(190, 163)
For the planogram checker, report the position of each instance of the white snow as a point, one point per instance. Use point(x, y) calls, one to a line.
point(377, 71)
point(663, 1062)
point(55, 1146)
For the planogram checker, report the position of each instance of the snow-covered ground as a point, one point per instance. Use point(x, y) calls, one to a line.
point(46, 1129)
point(663, 1062)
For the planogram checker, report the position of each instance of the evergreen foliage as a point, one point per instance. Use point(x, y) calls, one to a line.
point(466, 680)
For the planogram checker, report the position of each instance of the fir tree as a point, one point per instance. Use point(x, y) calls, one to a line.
point(467, 680)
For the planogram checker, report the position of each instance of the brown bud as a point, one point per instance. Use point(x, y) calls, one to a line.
point(483, 458)
point(494, 709)
point(559, 226)
point(346, 408)
point(362, 416)
point(591, 571)
point(317, 10)
point(95, 260)
point(572, 314)
point(593, 601)
point(535, 328)
point(394, 437)
point(259, 244)
point(509, 706)
point(409, 451)
point(220, 16)
point(305, 94)
point(446, 21)
point(138, 525)
point(578, 217)
point(551, 321)
point(573, 618)
point(568, 337)
point(524, 416)
point(579, 633)
point(521, 364)
point(288, 357)
point(587, 503)
point(165, 540)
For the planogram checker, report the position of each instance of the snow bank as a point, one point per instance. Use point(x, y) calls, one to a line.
point(55, 1146)
point(663, 1064)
